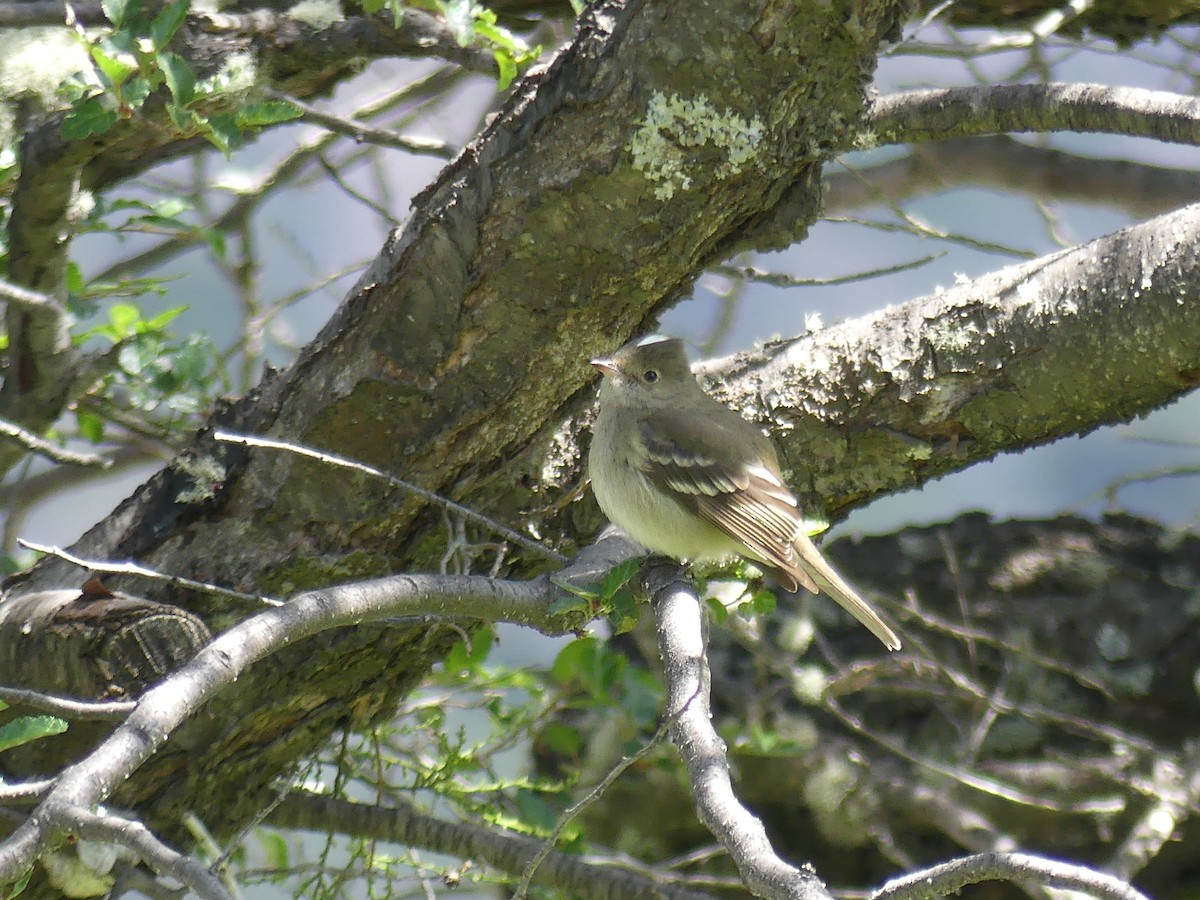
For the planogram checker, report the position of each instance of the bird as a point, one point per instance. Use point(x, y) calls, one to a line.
point(689, 478)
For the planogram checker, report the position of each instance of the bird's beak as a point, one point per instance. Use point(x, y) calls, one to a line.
point(604, 366)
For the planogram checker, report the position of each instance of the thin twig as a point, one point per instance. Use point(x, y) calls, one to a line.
point(949, 878)
point(80, 710)
point(334, 460)
point(132, 568)
point(45, 448)
point(583, 803)
point(366, 134)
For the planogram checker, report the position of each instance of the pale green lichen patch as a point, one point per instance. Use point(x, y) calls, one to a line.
point(673, 125)
point(206, 473)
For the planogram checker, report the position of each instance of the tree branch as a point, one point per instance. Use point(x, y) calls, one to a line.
point(951, 877)
point(994, 109)
point(1004, 163)
point(678, 622)
point(35, 444)
point(163, 708)
point(909, 393)
point(503, 850)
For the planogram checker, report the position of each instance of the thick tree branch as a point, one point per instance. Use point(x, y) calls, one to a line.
point(1011, 360)
point(997, 109)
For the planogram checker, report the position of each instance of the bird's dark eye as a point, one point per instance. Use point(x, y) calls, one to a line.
point(649, 376)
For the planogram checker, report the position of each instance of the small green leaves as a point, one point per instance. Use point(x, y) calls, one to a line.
point(465, 660)
point(116, 58)
point(614, 595)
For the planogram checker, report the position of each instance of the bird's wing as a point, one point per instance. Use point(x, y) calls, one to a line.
point(745, 499)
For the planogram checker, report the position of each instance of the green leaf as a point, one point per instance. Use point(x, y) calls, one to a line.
point(763, 603)
point(115, 59)
point(74, 279)
point(275, 849)
point(124, 319)
point(185, 120)
point(223, 133)
point(570, 602)
point(216, 241)
point(460, 19)
point(21, 883)
point(116, 10)
point(29, 728)
point(135, 92)
point(717, 610)
point(618, 576)
point(372, 6)
point(162, 320)
point(588, 592)
point(180, 77)
point(91, 426)
point(561, 739)
point(624, 613)
point(255, 115)
point(464, 660)
point(89, 118)
point(167, 22)
point(508, 69)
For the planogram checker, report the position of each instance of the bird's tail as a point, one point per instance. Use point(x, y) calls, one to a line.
point(814, 565)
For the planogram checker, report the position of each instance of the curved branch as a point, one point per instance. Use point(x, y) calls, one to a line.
point(951, 877)
point(163, 708)
point(678, 622)
point(992, 109)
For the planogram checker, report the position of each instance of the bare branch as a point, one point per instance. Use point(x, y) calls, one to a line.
point(14, 293)
point(81, 710)
point(457, 508)
point(993, 109)
point(678, 621)
point(132, 568)
point(42, 447)
point(948, 878)
point(1013, 166)
point(138, 838)
point(499, 848)
point(25, 791)
point(365, 134)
